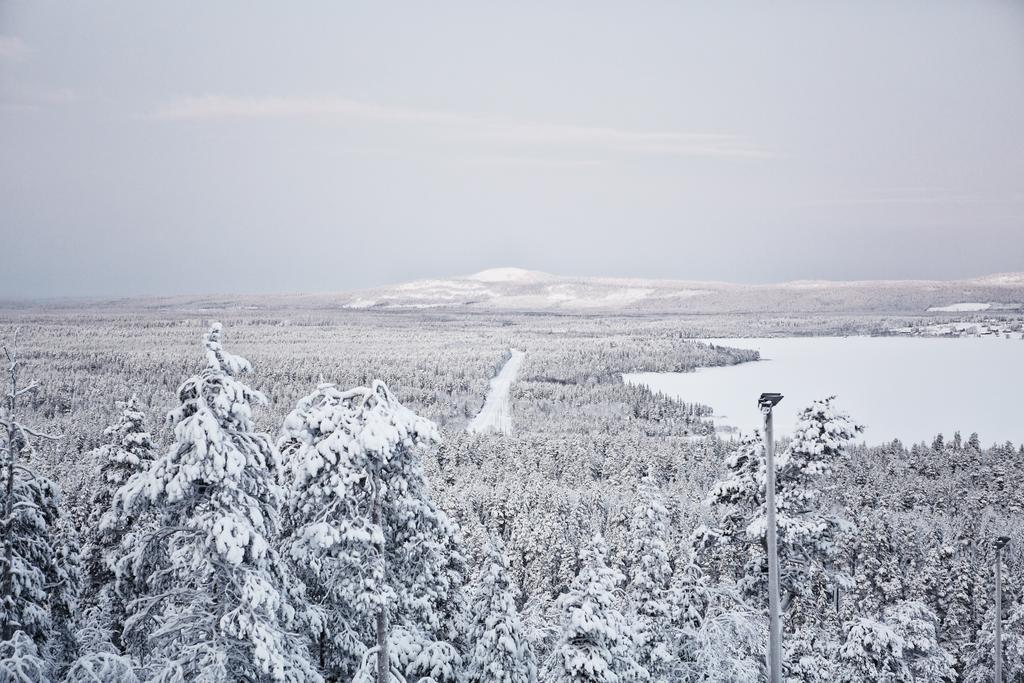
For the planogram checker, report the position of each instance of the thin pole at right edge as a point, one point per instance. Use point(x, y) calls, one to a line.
point(999, 615)
point(774, 618)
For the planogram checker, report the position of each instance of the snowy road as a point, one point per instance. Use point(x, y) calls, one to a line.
point(496, 415)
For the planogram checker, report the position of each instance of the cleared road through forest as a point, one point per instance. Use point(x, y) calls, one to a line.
point(496, 415)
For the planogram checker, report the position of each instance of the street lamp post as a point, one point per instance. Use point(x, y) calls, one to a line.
point(766, 402)
point(1000, 543)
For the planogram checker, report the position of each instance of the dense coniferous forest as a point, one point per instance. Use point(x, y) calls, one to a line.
point(297, 499)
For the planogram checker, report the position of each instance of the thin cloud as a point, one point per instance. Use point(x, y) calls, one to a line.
point(13, 49)
point(534, 163)
point(905, 195)
point(34, 98)
point(471, 127)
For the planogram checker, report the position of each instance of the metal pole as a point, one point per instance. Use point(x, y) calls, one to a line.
point(999, 614)
point(774, 619)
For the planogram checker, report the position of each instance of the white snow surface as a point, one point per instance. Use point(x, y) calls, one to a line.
point(360, 303)
point(496, 415)
point(931, 385)
point(960, 308)
point(509, 275)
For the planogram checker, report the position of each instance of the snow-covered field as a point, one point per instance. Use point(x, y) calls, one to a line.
point(496, 415)
point(960, 308)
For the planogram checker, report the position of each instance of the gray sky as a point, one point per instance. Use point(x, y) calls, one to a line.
point(169, 147)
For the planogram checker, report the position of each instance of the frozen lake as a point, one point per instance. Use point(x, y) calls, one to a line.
point(911, 389)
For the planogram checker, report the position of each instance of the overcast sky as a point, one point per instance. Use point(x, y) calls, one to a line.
point(169, 147)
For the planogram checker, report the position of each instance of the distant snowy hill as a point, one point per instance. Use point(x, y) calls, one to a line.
point(515, 289)
point(518, 289)
point(519, 275)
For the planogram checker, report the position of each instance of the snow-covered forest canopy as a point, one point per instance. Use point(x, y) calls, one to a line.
point(284, 498)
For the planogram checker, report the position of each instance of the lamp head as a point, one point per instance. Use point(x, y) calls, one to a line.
point(1001, 542)
point(769, 400)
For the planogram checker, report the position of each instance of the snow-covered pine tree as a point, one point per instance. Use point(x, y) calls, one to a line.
point(738, 496)
point(650, 574)
point(808, 526)
point(101, 660)
point(501, 651)
point(28, 513)
point(917, 625)
point(729, 644)
point(872, 651)
point(129, 451)
point(689, 597)
point(809, 654)
point(372, 545)
point(124, 619)
point(942, 583)
point(545, 558)
point(105, 667)
point(65, 581)
point(957, 627)
point(878, 576)
point(979, 666)
point(216, 585)
point(595, 644)
point(974, 442)
point(28, 543)
point(20, 661)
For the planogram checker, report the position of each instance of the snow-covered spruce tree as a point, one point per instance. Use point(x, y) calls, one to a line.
point(878, 575)
point(943, 582)
point(129, 451)
point(28, 513)
point(216, 588)
point(62, 646)
point(872, 651)
point(143, 556)
point(808, 526)
point(28, 543)
point(105, 667)
point(650, 574)
point(957, 601)
point(101, 660)
point(542, 556)
point(687, 600)
point(374, 549)
point(595, 645)
point(726, 552)
point(501, 651)
point(917, 625)
point(20, 661)
point(809, 654)
point(728, 645)
point(980, 657)
point(689, 597)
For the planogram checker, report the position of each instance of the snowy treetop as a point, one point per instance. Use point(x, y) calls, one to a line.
point(365, 423)
point(217, 357)
point(214, 442)
point(821, 431)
